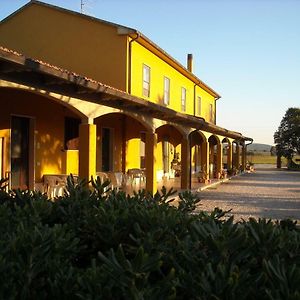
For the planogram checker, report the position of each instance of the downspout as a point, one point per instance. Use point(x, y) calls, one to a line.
point(195, 99)
point(195, 84)
point(215, 111)
point(130, 61)
point(190, 156)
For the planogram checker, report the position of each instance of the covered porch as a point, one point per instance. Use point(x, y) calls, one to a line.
point(72, 124)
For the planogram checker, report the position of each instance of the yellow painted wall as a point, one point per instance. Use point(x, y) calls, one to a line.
point(133, 137)
point(70, 41)
point(126, 136)
point(206, 100)
point(133, 153)
point(114, 122)
point(160, 69)
point(5, 134)
point(71, 162)
point(94, 49)
point(48, 119)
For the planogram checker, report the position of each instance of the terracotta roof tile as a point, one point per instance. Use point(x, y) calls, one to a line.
point(59, 69)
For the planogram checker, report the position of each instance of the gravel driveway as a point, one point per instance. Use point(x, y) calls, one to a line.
point(266, 193)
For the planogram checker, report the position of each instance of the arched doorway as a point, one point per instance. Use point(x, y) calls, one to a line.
point(236, 156)
point(215, 156)
point(35, 132)
point(169, 154)
point(198, 158)
point(226, 154)
point(120, 143)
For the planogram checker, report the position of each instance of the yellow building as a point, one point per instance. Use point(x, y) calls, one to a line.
point(87, 96)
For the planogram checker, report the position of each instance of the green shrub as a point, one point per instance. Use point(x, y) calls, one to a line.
point(94, 245)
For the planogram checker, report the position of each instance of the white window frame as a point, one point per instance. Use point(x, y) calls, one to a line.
point(146, 80)
point(167, 84)
point(199, 105)
point(183, 99)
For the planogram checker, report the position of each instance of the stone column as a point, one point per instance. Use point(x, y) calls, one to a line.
point(244, 155)
point(219, 158)
point(205, 158)
point(151, 163)
point(237, 158)
point(185, 164)
point(229, 156)
point(87, 151)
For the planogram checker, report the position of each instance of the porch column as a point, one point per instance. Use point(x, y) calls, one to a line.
point(205, 158)
point(219, 158)
point(229, 156)
point(87, 151)
point(244, 157)
point(124, 118)
point(151, 163)
point(237, 158)
point(185, 163)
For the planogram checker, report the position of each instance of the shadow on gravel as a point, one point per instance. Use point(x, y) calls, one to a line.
point(287, 184)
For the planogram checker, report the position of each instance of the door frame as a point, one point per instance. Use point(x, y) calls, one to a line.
point(111, 147)
point(31, 149)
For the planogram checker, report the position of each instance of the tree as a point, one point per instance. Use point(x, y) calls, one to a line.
point(273, 151)
point(287, 137)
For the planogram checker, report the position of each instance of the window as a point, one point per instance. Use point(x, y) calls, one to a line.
point(146, 81)
point(72, 133)
point(183, 99)
point(107, 149)
point(166, 91)
point(211, 113)
point(199, 105)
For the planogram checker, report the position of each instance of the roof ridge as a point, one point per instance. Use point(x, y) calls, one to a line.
point(67, 11)
point(128, 31)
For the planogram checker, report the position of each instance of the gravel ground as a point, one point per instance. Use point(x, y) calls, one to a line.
point(267, 193)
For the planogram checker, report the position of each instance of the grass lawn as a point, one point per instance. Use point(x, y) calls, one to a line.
point(266, 159)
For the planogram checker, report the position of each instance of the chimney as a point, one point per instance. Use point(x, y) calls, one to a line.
point(190, 62)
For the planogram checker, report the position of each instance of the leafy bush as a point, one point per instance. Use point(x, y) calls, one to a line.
point(94, 245)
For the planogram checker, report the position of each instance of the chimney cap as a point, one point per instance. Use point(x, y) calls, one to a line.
point(190, 62)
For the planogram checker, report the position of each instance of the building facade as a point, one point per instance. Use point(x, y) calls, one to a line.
point(84, 96)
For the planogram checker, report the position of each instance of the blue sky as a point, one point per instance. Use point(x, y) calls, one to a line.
point(248, 51)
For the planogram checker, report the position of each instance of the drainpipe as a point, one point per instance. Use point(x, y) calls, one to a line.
point(195, 98)
point(215, 110)
point(129, 62)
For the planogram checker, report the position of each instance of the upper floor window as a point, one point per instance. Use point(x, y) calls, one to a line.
point(199, 105)
point(166, 91)
point(183, 99)
point(211, 113)
point(146, 81)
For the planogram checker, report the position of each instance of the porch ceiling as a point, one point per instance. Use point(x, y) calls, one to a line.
point(17, 68)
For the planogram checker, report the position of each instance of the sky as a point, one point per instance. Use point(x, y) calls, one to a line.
point(248, 51)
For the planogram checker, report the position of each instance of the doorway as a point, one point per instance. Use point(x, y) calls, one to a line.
point(166, 155)
point(107, 155)
point(20, 152)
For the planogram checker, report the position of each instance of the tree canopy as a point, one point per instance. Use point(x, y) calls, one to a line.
point(287, 137)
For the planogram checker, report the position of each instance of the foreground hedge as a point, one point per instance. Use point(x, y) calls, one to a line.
point(91, 245)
